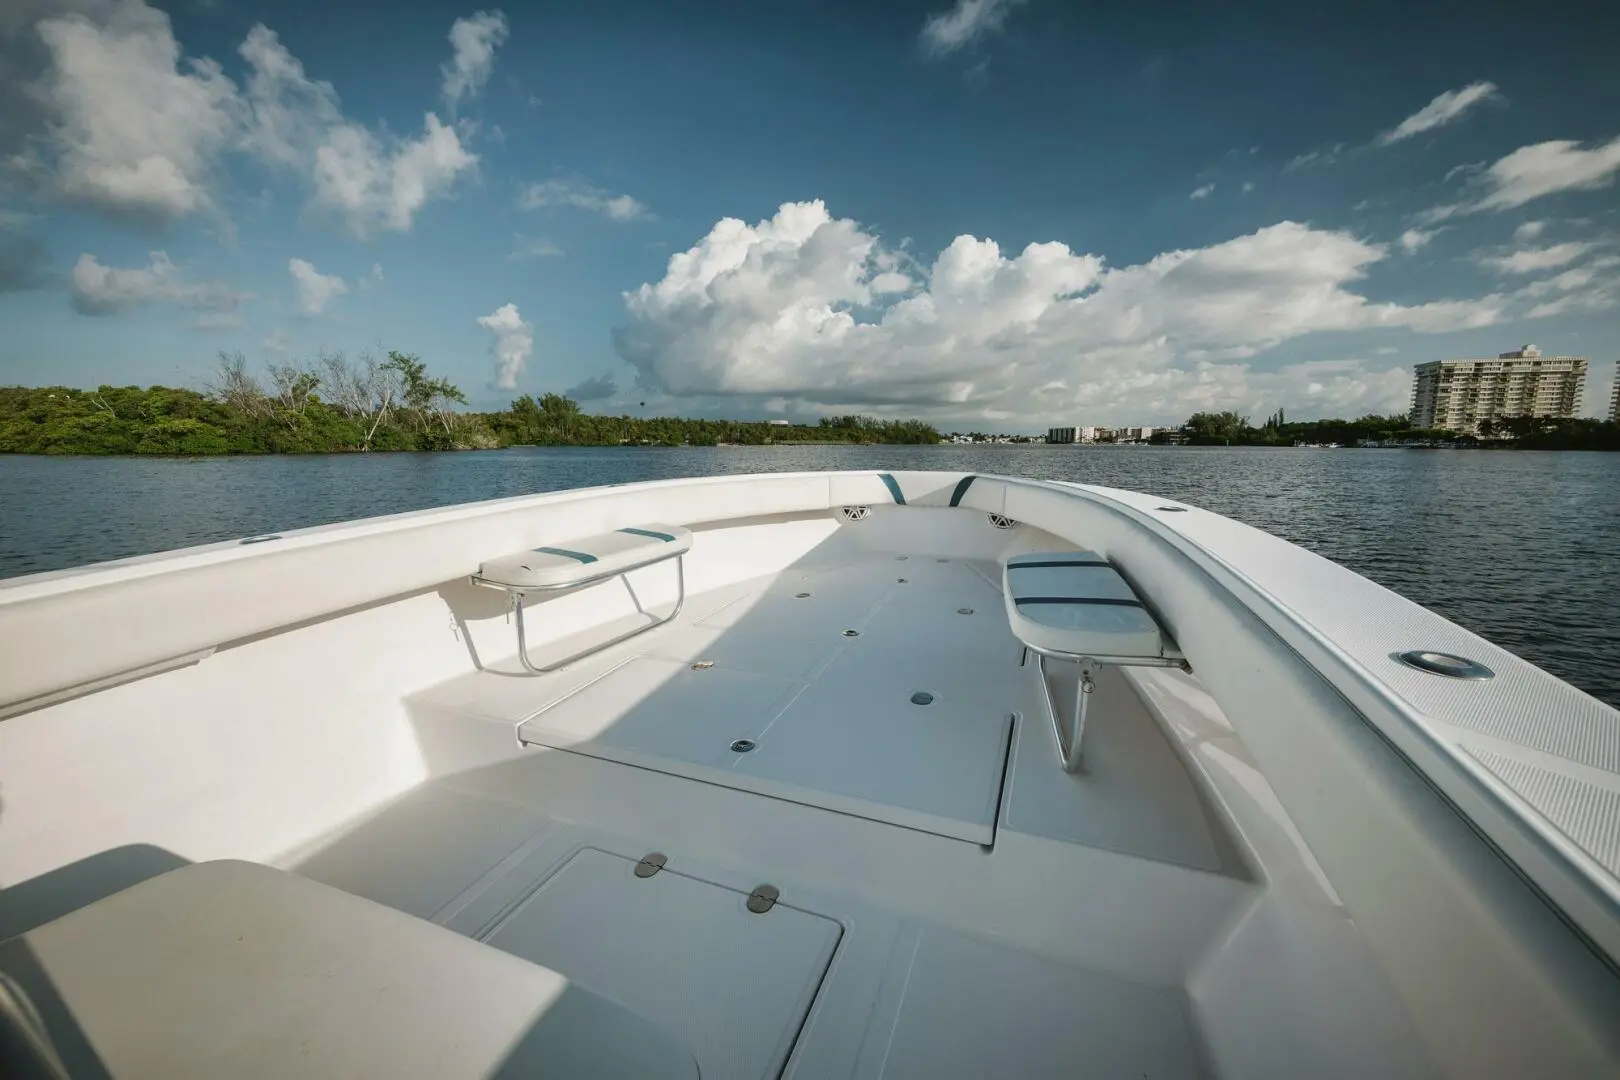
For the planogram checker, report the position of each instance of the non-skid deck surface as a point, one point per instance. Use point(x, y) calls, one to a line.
point(877, 688)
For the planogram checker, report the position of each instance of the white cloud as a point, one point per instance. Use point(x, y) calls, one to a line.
point(94, 289)
point(513, 345)
point(134, 130)
point(532, 247)
point(786, 308)
point(1202, 192)
point(1591, 287)
point(315, 289)
point(1529, 230)
point(1415, 239)
point(1248, 186)
point(1442, 110)
point(1386, 350)
point(1531, 172)
point(277, 341)
point(370, 182)
point(134, 133)
point(1530, 260)
point(582, 196)
point(1544, 168)
point(474, 41)
point(948, 31)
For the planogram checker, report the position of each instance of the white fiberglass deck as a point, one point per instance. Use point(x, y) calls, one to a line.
point(903, 943)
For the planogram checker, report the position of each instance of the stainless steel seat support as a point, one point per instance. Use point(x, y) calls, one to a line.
point(518, 592)
point(1068, 752)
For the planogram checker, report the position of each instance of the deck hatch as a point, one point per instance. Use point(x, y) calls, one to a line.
point(695, 958)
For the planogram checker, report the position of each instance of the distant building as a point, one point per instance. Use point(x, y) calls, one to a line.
point(1460, 395)
point(1060, 435)
point(1089, 434)
point(780, 423)
point(1614, 397)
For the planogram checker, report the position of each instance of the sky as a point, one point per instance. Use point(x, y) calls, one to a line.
point(1001, 214)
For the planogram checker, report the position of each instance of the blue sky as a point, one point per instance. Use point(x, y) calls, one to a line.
point(1001, 214)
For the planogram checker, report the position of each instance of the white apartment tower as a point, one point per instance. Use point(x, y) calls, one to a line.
point(1460, 395)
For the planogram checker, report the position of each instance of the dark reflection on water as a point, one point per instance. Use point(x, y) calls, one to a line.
point(1523, 548)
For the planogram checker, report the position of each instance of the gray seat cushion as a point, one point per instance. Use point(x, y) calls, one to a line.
point(236, 969)
point(554, 566)
point(1076, 602)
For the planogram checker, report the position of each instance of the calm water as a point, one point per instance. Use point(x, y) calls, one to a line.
point(1523, 548)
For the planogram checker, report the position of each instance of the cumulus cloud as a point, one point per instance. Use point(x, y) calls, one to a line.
point(1529, 260)
point(1202, 192)
point(786, 308)
point(948, 31)
point(315, 289)
point(582, 196)
point(132, 129)
point(1529, 230)
point(513, 345)
point(473, 41)
point(593, 389)
point(135, 132)
point(1442, 110)
point(95, 289)
point(1415, 239)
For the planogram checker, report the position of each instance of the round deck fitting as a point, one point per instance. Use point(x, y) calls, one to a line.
point(742, 746)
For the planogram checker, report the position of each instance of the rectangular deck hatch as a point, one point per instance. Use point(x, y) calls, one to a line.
point(690, 956)
point(855, 740)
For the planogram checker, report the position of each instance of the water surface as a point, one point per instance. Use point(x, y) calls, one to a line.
point(1521, 547)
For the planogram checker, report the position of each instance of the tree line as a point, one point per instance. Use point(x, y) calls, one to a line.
point(1520, 432)
point(336, 404)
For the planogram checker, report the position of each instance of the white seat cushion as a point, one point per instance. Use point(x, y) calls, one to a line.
point(555, 566)
point(1075, 602)
point(235, 969)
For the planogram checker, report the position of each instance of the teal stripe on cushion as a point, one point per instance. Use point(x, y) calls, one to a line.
point(649, 534)
point(565, 553)
point(894, 488)
point(961, 489)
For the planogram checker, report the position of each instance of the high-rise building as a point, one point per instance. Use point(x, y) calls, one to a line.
point(1460, 395)
point(1060, 435)
point(1614, 397)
